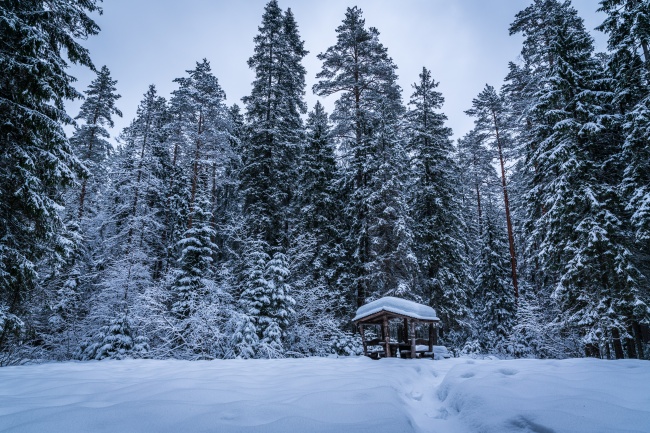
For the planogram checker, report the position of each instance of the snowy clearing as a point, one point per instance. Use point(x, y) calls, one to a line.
point(328, 395)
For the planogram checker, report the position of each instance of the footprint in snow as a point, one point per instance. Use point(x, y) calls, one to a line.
point(528, 425)
point(508, 371)
point(467, 375)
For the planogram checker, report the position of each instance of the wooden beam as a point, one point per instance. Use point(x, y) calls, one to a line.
point(431, 330)
point(413, 345)
point(377, 318)
point(363, 340)
point(387, 337)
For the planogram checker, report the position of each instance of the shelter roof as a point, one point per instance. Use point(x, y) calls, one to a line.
point(401, 307)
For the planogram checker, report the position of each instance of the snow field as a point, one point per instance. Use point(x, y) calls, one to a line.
point(327, 395)
point(549, 396)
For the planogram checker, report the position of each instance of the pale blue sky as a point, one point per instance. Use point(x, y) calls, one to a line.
point(465, 43)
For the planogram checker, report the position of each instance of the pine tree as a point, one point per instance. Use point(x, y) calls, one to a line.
point(89, 140)
point(318, 200)
point(195, 262)
point(116, 341)
point(369, 111)
point(203, 123)
point(36, 159)
point(490, 115)
point(133, 205)
point(74, 283)
point(245, 339)
point(439, 229)
point(493, 303)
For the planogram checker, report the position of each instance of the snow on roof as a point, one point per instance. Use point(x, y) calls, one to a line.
point(397, 306)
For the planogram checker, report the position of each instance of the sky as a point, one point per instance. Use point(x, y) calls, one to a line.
point(465, 43)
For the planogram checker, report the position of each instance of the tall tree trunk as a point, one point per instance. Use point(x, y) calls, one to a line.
point(136, 193)
point(511, 238)
point(646, 54)
point(638, 339)
point(480, 212)
point(361, 183)
point(82, 198)
point(631, 348)
point(616, 342)
point(195, 172)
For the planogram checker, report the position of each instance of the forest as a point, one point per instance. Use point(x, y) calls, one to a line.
point(214, 230)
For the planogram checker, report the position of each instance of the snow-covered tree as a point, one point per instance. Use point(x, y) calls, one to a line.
point(578, 236)
point(318, 264)
point(203, 124)
point(116, 341)
point(493, 303)
point(89, 140)
point(36, 159)
point(628, 27)
point(489, 112)
point(273, 109)
point(318, 198)
point(266, 299)
point(367, 116)
point(73, 283)
point(439, 229)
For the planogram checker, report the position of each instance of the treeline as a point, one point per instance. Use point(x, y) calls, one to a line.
point(214, 231)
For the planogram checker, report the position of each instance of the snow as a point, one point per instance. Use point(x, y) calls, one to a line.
point(440, 352)
point(355, 394)
point(397, 306)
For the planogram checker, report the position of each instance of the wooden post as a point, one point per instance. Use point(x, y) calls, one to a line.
point(387, 337)
point(405, 334)
point(431, 329)
point(412, 332)
point(435, 334)
point(363, 340)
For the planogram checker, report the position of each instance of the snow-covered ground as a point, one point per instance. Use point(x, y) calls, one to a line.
point(327, 395)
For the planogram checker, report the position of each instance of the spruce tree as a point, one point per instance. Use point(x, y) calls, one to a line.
point(579, 235)
point(318, 267)
point(318, 201)
point(628, 27)
point(266, 301)
point(36, 159)
point(494, 303)
point(439, 230)
point(273, 110)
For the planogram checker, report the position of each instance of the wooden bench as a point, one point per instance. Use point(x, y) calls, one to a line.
point(375, 353)
point(419, 353)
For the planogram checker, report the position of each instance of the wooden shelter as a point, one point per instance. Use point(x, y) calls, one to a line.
point(408, 315)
